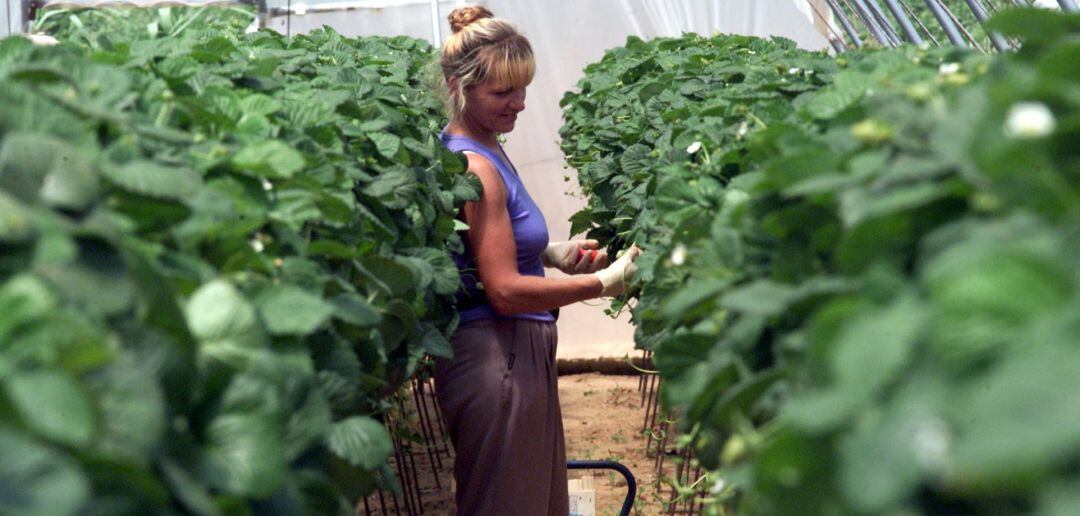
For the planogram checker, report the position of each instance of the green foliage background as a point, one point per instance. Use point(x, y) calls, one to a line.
point(221, 252)
point(861, 288)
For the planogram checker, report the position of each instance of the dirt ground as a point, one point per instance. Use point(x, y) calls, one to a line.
point(602, 417)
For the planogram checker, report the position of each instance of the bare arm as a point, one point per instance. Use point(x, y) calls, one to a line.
point(491, 237)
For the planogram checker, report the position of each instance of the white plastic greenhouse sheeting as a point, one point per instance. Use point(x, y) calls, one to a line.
point(9, 17)
point(566, 35)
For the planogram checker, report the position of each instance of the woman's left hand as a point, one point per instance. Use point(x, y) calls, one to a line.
point(575, 256)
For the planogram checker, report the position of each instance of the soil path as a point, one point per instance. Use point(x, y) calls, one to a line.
point(602, 418)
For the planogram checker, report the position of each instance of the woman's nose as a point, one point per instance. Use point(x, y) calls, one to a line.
point(518, 101)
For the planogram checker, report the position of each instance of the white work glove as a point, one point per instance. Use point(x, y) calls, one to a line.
point(575, 256)
point(616, 277)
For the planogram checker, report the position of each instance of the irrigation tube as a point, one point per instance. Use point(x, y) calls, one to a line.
point(845, 23)
point(980, 14)
point(905, 23)
point(946, 23)
point(631, 484)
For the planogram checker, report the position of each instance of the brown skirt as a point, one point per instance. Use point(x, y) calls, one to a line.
point(499, 396)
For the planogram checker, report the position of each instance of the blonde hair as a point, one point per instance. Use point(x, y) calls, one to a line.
point(483, 48)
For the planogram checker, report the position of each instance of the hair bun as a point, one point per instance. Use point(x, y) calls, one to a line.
point(463, 16)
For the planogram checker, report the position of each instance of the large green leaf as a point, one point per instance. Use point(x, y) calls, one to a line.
point(353, 309)
point(245, 455)
point(1011, 426)
point(16, 221)
point(1035, 25)
point(39, 167)
point(387, 144)
point(360, 440)
point(53, 404)
point(222, 319)
point(270, 158)
point(288, 309)
point(37, 480)
point(875, 346)
point(154, 180)
point(25, 299)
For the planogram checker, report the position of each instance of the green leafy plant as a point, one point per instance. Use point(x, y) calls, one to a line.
point(221, 253)
point(860, 283)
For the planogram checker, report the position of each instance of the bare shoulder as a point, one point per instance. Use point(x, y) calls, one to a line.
point(489, 175)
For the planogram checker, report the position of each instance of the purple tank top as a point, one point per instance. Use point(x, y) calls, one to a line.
point(530, 236)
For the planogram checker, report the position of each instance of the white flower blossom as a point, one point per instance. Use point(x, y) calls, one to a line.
point(717, 487)
point(678, 255)
point(931, 443)
point(743, 129)
point(948, 68)
point(1029, 120)
point(267, 185)
point(257, 245)
point(693, 148)
point(793, 71)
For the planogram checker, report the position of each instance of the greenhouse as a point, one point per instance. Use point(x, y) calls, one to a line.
point(566, 257)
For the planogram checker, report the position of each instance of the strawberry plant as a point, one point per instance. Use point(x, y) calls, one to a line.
point(860, 283)
point(221, 253)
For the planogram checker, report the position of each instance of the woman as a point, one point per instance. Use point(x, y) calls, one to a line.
point(499, 393)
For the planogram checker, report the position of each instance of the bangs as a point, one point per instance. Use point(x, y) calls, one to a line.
point(511, 65)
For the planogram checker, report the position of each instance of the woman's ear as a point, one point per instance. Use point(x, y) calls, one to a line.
point(452, 82)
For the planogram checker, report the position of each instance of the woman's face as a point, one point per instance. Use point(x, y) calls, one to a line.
point(493, 108)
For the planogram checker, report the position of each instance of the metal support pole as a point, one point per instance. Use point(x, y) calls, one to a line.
point(946, 23)
point(962, 28)
point(25, 15)
point(871, 25)
point(883, 21)
point(1068, 5)
point(845, 23)
point(905, 23)
point(911, 14)
point(263, 14)
point(980, 14)
point(436, 27)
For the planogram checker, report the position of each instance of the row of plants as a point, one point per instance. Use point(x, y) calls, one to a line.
point(220, 253)
point(861, 279)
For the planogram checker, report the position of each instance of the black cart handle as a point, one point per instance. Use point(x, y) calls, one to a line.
point(631, 484)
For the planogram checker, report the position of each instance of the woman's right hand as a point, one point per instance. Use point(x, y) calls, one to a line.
point(617, 276)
